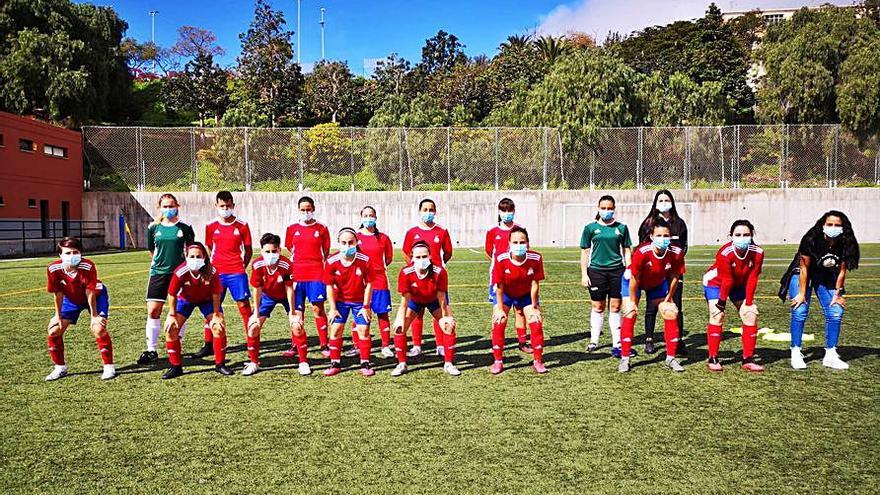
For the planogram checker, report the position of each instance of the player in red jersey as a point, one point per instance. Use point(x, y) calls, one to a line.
point(73, 280)
point(423, 285)
point(655, 268)
point(195, 284)
point(734, 276)
point(378, 247)
point(229, 239)
point(440, 245)
point(309, 244)
point(497, 239)
point(348, 276)
point(272, 280)
point(517, 274)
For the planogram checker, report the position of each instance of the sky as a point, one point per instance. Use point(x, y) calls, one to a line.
point(356, 30)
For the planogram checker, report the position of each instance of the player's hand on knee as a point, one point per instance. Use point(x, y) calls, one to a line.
point(498, 315)
point(629, 308)
point(54, 324)
point(750, 309)
point(668, 310)
point(98, 324)
point(536, 317)
point(171, 324)
point(254, 322)
point(218, 323)
point(448, 324)
point(296, 321)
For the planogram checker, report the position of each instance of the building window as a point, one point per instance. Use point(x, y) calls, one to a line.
point(771, 19)
point(56, 151)
point(27, 145)
point(32, 203)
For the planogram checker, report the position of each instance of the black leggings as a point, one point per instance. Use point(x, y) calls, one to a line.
point(651, 314)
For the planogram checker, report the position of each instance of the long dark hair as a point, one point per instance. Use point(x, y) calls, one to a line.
point(206, 270)
point(849, 246)
point(374, 213)
point(654, 213)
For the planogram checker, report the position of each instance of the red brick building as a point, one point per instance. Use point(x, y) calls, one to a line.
point(41, 171)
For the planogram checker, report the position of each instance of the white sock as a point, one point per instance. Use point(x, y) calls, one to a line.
point(596, 320)
point(614, 325)
point(154, 327)
point(182, 331)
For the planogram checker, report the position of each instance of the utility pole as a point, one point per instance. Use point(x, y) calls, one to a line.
point(322, 32)
point(153, 14)
point(298, 45)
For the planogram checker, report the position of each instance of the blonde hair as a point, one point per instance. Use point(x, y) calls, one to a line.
point(158, 219)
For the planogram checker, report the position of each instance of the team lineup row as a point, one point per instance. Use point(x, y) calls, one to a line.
point(353, 282)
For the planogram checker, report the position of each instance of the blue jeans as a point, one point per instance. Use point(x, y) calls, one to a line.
point(833, 314)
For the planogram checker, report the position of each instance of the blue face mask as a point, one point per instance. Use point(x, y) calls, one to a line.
point(661, 243)
point(606, 214)
point(368, 222)
point(224, 213)
point(428, 217)
point(506, 216)
point(742, 243)
point(832, 232)
point(518, 250)
point(348, 251)
point(169, 213)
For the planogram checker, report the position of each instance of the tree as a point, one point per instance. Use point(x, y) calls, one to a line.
point(678, 100)
point(332, 93)
point(551, 48)
point(858, 94)
point(393, 77)
point(193, 41)
point(466, 87)
point(517, 63)
point(201, 88)
point(266, 66)
point(441, 53)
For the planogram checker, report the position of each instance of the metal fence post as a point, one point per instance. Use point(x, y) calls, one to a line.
point(721, 148)
point(192, 158)
point(640, 171)
point(545, 159)
point(592, 169)
point(496, 158)
point(299, 157)
point(735, 162)
point(400, 138)
point(247, 161)
point(351, 130)
point(139, 153)
point(448, 161)
point(782, 155)
point(687, 159)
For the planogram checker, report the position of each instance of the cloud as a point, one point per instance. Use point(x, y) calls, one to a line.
point(599, 17)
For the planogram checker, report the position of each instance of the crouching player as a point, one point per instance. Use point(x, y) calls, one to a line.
point(74, 282)
point(517, 275)
point(272, 280)
point(421, 285)
point(656, 268)
point(348, 276)
point(195, 283)
point(735, 276)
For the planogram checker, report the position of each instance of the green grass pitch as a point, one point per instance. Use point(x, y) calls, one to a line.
point(581, 428)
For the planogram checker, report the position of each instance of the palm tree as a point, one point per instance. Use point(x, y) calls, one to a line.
point(517, 41)
point(551, 48)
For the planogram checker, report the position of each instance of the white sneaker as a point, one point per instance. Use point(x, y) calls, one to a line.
point(450, 369)
point(414, 351)
point(387, 352)
point(441, 351)
point(832, 360)
point(797, 359)
point(399, 369)
point(59, 371)
point(250, 368)
point(674, 365)
point(304, 369)
point(351, 352)
point(109, 372)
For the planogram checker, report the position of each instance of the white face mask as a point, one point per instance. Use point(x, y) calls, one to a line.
point(225, 213)
point(664, 207)
point(70, 260)
point(307, 216)
point(422, 263)
point(195, 264)
point(271, 258)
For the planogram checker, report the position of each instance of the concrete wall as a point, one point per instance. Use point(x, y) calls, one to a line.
point(554, 218)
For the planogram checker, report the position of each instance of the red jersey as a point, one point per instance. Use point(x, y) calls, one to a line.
point(309, 246)
point(422, 290)
point(380, 251)
point(349, 282)
point(437, 238)
point(517, 278)
point(497, 242)
point(729, 271)
point(195, 290)
point(74, 288)
point(273, 280)
point(650, 270)
point(226, 242)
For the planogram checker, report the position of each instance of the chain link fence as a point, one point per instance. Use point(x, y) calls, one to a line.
point(328, 158)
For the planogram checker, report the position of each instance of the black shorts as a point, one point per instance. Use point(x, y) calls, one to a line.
point(157, 287)
point(605, 283)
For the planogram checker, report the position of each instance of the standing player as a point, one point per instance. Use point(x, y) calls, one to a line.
point(497, 239)
point(655, 268)
point(440, 245)
point(423, 285)
point(73, 280)
point(826, 253)
point(517, 275)
point(272, 280)
point(195, 284)
point(377, 246)
point(605, 250)
point(309, 244)
point(348, 275)
point(734, 276)
point(229, 239)
point(166, 238)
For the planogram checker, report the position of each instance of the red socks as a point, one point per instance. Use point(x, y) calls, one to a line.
point(56, 349)
point(335, 349)
point(321, 325)
point(521, 335)
point(416, 328)
point(384, 329)
point(713, 338)
point(364, 346)
point(627, 330)
point(173, 348)
point(355, 338)
point(448, 345)
point(439, 336)
point(220, 349)
point(749, 340)
point(253, 347)
point(209, 336)
point(301, 343)
point(670, 334)
point(537, 329)
point(400, 347)
point(105, 347)
point(245, 312)
point(498, 340)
